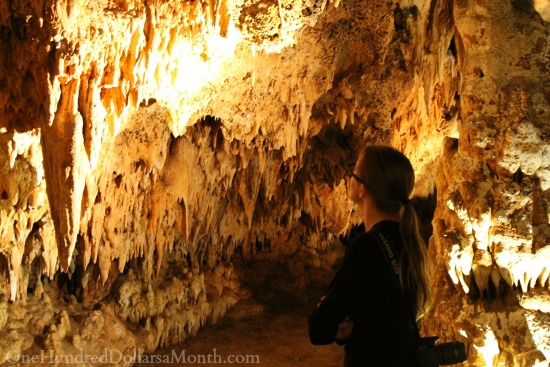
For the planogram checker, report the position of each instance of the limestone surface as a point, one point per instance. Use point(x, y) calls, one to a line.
point(157, 158)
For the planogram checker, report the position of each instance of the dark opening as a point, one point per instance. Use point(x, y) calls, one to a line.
point(118, 181)
point(452, 48)
point(171, 144)
point(263, 246)
point(425, 209)
point(208, 126)
point(518, 176)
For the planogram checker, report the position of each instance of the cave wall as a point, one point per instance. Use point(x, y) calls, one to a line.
point(149, 148)
point(492, 212)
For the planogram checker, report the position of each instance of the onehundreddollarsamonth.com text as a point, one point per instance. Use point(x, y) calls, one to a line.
point(108, 356)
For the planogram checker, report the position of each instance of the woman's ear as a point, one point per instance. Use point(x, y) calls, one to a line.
point(362, 191)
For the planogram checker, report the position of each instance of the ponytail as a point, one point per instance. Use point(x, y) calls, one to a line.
point(418, 271)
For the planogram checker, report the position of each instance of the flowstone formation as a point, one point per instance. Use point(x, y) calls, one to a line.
point(157, 159)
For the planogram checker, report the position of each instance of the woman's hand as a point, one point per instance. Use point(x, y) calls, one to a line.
point(344, 330)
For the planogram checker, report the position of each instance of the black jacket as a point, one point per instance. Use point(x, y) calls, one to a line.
point(364, 290)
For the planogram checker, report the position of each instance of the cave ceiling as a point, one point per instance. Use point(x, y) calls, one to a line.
point(150, 148)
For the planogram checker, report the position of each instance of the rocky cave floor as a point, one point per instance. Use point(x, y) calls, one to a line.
point(261, 330)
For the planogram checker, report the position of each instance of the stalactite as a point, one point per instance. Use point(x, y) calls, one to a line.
point(144, 145)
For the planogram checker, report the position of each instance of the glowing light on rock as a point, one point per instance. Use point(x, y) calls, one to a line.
point(543, 7)
point(143, 145)
point(539, 328)
point(488, 349)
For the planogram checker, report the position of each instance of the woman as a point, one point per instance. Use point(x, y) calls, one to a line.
point(366, 307)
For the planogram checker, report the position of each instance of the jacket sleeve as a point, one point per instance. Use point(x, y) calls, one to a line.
point(345, 291)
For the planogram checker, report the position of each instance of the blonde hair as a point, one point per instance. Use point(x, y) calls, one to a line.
point(390, 181)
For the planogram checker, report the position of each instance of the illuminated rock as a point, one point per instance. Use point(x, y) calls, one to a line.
point(150, 149)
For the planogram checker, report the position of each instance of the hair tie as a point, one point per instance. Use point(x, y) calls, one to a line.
point(406, 201)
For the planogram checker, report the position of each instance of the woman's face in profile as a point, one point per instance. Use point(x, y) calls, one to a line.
point(353, 185)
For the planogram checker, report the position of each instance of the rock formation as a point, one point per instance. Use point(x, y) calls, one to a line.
point(152, 152)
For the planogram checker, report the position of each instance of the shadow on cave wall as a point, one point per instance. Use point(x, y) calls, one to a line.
point(277, 281)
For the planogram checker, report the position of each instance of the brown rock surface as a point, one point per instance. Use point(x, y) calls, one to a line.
point(158, 159)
